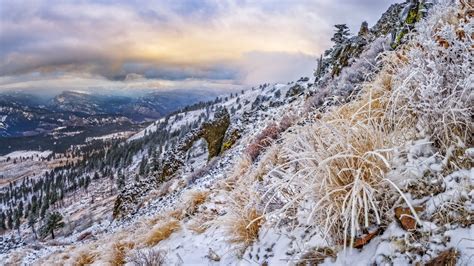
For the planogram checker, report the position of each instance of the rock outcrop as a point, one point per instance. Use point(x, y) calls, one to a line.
point(214, 132)
point(397, 21)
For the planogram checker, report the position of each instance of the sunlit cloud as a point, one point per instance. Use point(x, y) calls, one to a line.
point(112, 43)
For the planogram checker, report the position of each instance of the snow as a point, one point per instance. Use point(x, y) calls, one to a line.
point(24, 154)
point(416, 160)
point(117, 135)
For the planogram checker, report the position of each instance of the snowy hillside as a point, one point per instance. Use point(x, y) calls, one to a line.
point(369, 164)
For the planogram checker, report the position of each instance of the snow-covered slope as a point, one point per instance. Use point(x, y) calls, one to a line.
point(355, 168)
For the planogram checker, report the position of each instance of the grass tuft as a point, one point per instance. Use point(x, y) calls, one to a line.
point(119, 252)
point(162, 232)
point(85, 259)
point(245, 226)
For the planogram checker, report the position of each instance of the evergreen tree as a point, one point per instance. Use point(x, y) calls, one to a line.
point(3, 226)
point(277, 94)
point(17, 221)
point(342, 32)
point(154, 161)
point(32, 219)
point(120, 181)
point(87, 182)
point(9, 220)
point(44, 208)
point(143, 164)
point(53, 222)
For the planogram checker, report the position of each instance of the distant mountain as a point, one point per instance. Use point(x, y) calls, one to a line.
point(66, 114)
point(89, 104)
point(23, 114)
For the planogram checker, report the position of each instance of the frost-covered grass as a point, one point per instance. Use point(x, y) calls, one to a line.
point(433, 81)
point(343, 175)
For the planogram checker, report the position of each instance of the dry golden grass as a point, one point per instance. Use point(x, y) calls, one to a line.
point(454, 212)
point(85, 258)
point(341, 162)
point(352, 167)
point(193, 200)
point(201, 222)
point(239, 170)
point(191, 203)
point(197, 227)
point(162, 232)
point(315, 256)
point(243, 220)
point(119, 252)
point(177, 214)
point(268, 161)
point(456, 159)
point(244, 226)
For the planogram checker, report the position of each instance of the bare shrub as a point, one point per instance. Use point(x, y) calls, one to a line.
point(287, 121)
point(262, 140)
point(150, 257)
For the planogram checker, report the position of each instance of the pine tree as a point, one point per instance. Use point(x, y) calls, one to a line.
point(3, 226)
point(9, 220)
point(120, 181)
point(342, 32)
point(87, 182)
point(32, 219)
point(154, 161)
point(17, 221)
point(143, 164)
point(53, 222)
point(44, 207)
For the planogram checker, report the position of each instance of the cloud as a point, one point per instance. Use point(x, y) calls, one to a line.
point(241, 41)
point(260, 67)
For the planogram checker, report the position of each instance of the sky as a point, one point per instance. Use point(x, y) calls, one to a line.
point(167, 44)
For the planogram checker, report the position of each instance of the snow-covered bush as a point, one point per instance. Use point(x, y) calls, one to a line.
point(351, 79)
point(433, 84)
point(151, 257)
point(362, 69)
point(287, 121)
